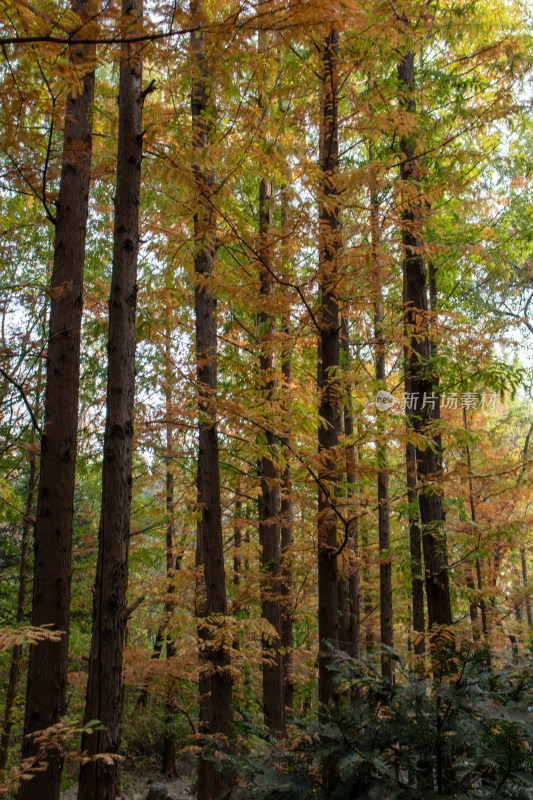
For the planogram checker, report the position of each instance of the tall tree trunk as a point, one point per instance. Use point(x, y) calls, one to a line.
point(471, 500)
point(216, 714)
point(169, 741)
point(482, 603)
point(343, 589)
point(343, 598)
point(518, 608)
point(329, 387)
point(472, 605)
point(415, 546)
point(526, 589)
point(98, 779)
point(16, 657)
point(368, 605)
point(237, 547)
point(419, 372)
point(269, 505)
point(286, 527)
point(46, 696)
point(286, 532)
point(523, 559)
point(237, 562)
point(385, 567)
point(353, 626)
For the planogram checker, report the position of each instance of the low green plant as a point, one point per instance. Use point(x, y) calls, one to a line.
point(465, 735)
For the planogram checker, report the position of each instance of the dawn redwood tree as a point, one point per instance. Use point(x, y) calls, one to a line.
point(420, 380)
point(286, 522)
point(172, 563)
point(237, 556)
point(525, 585)
point(478, 574)
point(352, 627)
point(328, 378)
point(269, 502)
point(216, 713)
point(98, 777)
point(384, 535)
point(415, 545)
point(269, 506)
point(46, 696)
point(347, 570)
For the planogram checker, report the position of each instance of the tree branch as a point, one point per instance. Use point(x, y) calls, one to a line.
point(20, 388)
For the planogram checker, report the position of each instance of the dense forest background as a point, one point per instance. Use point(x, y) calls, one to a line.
point(266, 397)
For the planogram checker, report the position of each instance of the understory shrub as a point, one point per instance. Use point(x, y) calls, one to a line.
point(465, 734)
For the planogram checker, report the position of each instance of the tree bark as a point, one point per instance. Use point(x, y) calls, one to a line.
point(420, 375)
point(269, 505)
point(46, 696)
point(529, 615)
point(286, 532)
point(216, 714)
point(237, 565)
point(352, 534)
point(329, 388)
point(368, 603)
point(286, 540)
point(237, 547)
point(352, 625)
point(169, 742)
point(98, 779)
point(523, 559)
point(385, 567)
point(415, 547)
point(471, 500)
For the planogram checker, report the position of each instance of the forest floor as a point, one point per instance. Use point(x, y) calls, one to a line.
point(136, 787)
point(138, 777)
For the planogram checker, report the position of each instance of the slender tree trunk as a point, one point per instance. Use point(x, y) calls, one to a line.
point(329, 411)
point(526, 589)
point(216, 715)
point(46, 696)
point(368, 604)
point(518, 608)
point(237, 564)
point(471, 500)
point(98, 779)
point(385, 567)
point(482, 603)
point(354, 622)
point(354, 631)
point(286, 528)
point(16, 657)
point(434, 350)
point(237, 546)
point(343, 559)
point(343, 588)
point(343, 602)
point(523, 559)
point(415, 547)
point(420, 375)
point(169, 741)
point(269, 506)
point(474, 618)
